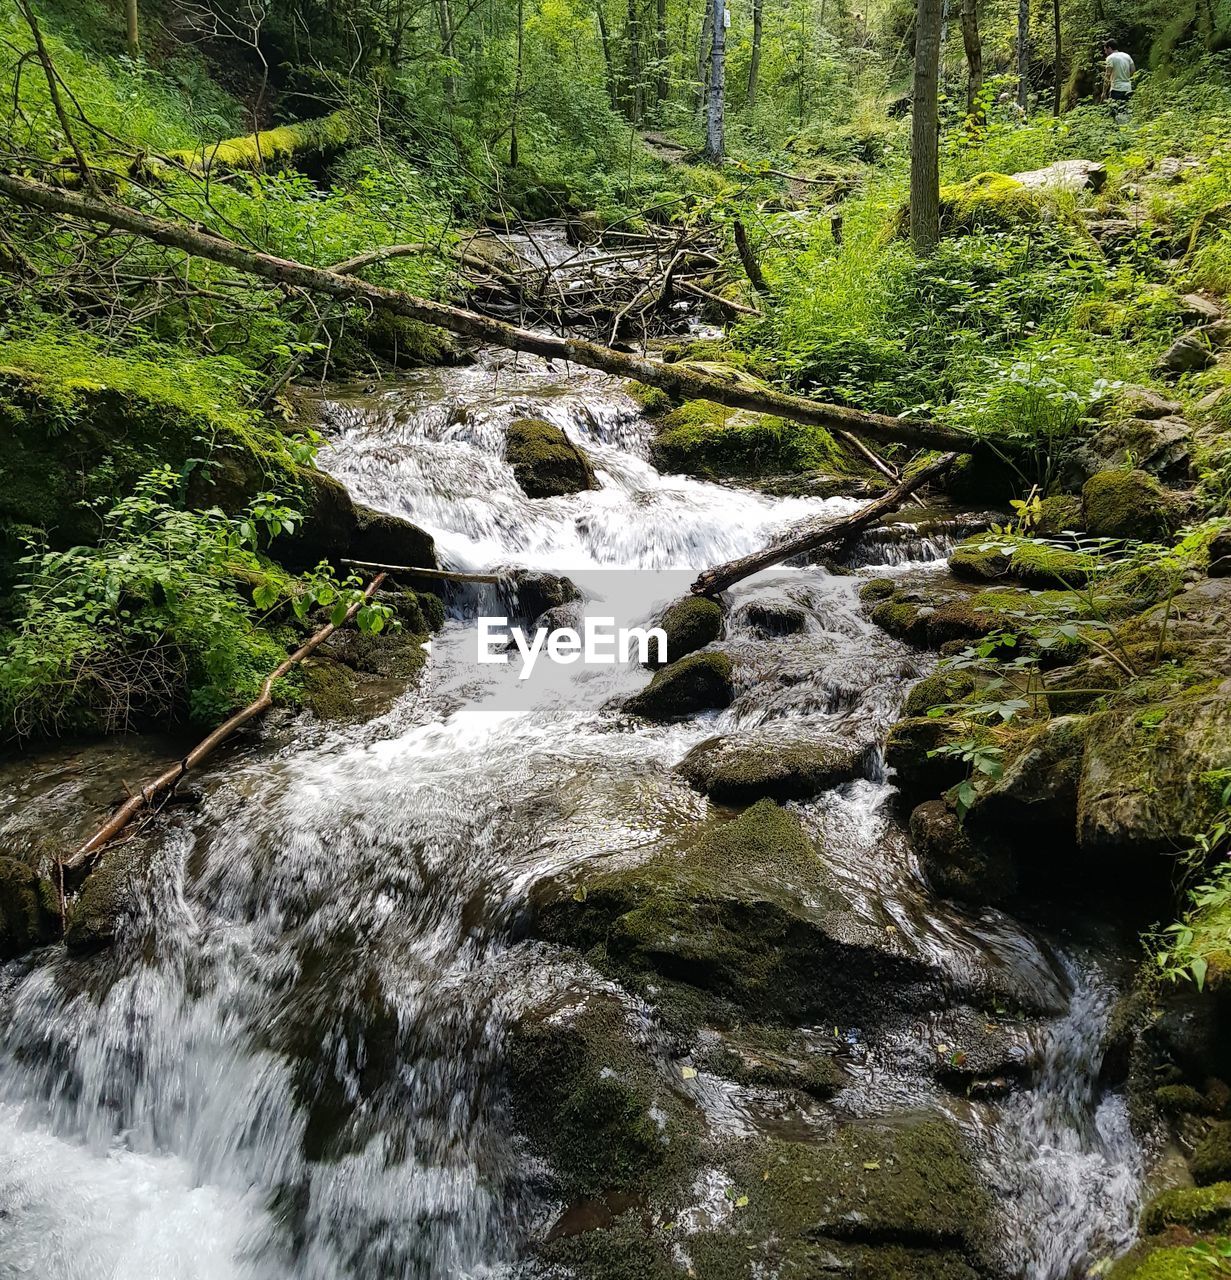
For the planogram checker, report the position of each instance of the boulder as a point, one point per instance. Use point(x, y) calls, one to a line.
point(698, 682)
point(1136, 402)
point(545, 462)
point(738, 772)
point(689, 624)
point(1060, 513)
point(1162, 446)
point(1065, 175)
point(774, 616)
point(939, 689)
point(1037, 792)
point(1195, 350)
point(530, 593)
point(112, 895)
point(956, 863)
point(988, 201)
point(980, 1058)
point(1149, 775)
point(382, 538)
point(1127, 504)
point(1195, 1208)
point(919, 774)
point(1200, 310)
point(990, 558)
point(1220, 554)
point(28, 909)
point(1211, 1159)
point(932, 621)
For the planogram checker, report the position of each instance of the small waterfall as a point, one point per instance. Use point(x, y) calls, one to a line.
point(290, 1066)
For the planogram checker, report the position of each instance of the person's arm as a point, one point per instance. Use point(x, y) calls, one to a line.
point(1132, 67)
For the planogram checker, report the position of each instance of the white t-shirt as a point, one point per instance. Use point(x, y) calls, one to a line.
point(1121, 66)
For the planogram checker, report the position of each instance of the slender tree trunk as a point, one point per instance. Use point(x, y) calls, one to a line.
point(754, 67)
point(715, 140)
point(703, 50)
point(517, 79)
point(662, 81)
point(635, 86)
point(1023, 53)
point(974, 55)
point(134, 32)
point(924, 146)
point(444, 17)
point(604, 39)
point(1055, 26)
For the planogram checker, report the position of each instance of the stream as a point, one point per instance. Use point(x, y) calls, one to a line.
point(291, 1064)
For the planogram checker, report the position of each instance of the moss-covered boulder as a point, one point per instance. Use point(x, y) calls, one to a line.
point(1211, 1158)
point(545, 462)
point(1037, 792)
point(530, 593)
point(772, 616)
point(941, 688)
point(1152, 777)
point(988, 201)
point(910, 751)
point(28, 910)
point(1159, 1258)
point(956, 863)
point(1196, 1208)
point(689, 624)
point(738, 771)
point(1127, 504)
point(698, 682)
point(1164, 447)
point(113, 894)
point(1060, 513)
point(1033, 562)
point(744, 913)
point(932, 621)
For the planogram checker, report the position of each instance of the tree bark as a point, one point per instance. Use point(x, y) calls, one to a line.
point(974, 56)
point(613, 95)
point(1023, 54)
point(816, 534)
point(167, 780)
point(635, 86)
point(675, 379)
point(1058, 88)
point(521, 38)
point(703, 49)
point(662, 81)
point(133, 29)
point(924, 147)
point(754, 66)
point(715, 107)
point(752, 267)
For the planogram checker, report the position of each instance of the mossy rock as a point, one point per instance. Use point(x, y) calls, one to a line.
point(941, 688)
point(986, 558)
point(1181, 1100)
point(1037, 792)
point(773, 1058)
point(744, 913)
point(772, 616)
point(689, 624)
point(590, 1099)
point(698, 682)
point(956, 863)
point(932, 625)
point(738, 772)
point(988, 201)
point(878, 589)
point(1127, 504)
point(909, 748)
point(113, 894)
point(1157, 1260)
point(1211, 1158)
point(704, 439)
point(28, 916)
point(1197, 1208)
point(1061, 513)
point(545, 462)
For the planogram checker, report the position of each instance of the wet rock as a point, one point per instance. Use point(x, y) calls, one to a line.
point(689, 624)
point(699, 682)
point(878, 589)
point(919, 774)
point(933, 621)
point(738, 772)
point(939, 689)
point(746, 916)
point(385, 539)
point(772, 1058)
point(591, 1100)
point(531, 593)
point(1181, 1100)
point(977, 1057)
point(774, 616)
point(990, 559)
point(1196, 1208)
point(1149, 774)
point(1037, 793)
point(1211, 1159)
point(1127, 504)
point(1161, 446)
point(28, 910)
point(957, 864)
point(545, 462)
point(113, 894)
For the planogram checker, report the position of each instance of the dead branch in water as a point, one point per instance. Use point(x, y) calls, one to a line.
point(816, 534)
point(167, 780)
point(410, 570)
point(684, 383)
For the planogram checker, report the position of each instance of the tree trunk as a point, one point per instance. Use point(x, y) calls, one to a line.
point(613, 95)
point(974, 56)
point(715, 140)
point(677, 380)
point(1023, 54)
point(817, 533)
point(521, 37)
point(1059, 86)
point(133, 28)
point(752, 268)
point(444, 16)
point(703, 60)
point(633, 37)
point(754, 67)
point(662, 81)
point(924, 146)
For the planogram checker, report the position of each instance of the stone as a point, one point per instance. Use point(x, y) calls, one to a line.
point(1196, 1208)
point(1037, 792)
point(957, 864)
point(689, 624)
point(1149, 775)
point(774, 616)
point(738, 771)
point(919, 774)
point(112, 896)
point(1059, 514)
point(988, 558)
point(1211, 1158)
point(1196, 349)
point(545, 462)
point(1199, 310)
point(698, 682)
point(530, 593)
point(28, 914)
point(1220, 554)
point(1162, 446)
point(1065, 175)
point(382, 538)
point(1175, 168)
point(1136, 402)
point(1127, 505)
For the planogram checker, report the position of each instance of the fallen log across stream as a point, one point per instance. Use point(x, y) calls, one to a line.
point(170, 778)
point(818, 533)
point(684, 383)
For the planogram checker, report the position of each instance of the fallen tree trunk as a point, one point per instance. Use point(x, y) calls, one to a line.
point(682, 383)
point(271, 147)
point(817, 534)
point(167, 780)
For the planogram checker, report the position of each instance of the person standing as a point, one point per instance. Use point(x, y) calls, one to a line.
point(1119, 79)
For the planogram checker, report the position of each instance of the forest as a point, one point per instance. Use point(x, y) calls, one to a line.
point(877, 357)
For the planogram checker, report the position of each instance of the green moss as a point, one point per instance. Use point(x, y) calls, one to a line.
point(698, 682)
point(690, 624)
point(272, 149)
point(1180, 1099)
point(545, 462)
point(878, 589)
point(1197, 1208)
point(1211, 1158)
point(1151, 1261)
point(739, 772)
point(940, 688)
point(1058, 514)
point(1127, 504)
point(985, 558)
point(654, 402)
point(700, 438)
point(26, 914)
point(987, 201)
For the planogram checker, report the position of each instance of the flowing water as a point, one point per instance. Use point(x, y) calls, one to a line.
point(290, 1065)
